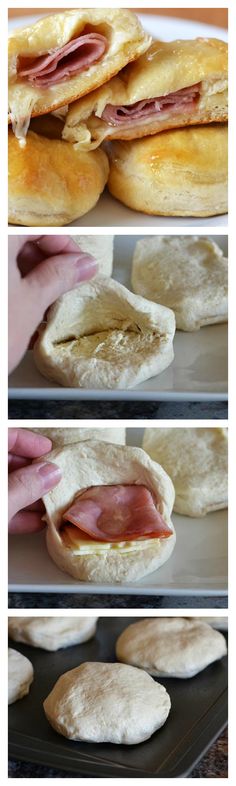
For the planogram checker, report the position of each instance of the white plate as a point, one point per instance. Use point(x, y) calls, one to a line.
point(198, 373)
point(198, 565)
point(108, 211)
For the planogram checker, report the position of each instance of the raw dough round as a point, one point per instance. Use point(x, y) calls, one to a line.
point(91, 463)
point(196, 459)
point(101, 247)
point(65, 436)
point(20, 675)
point(170, 646)
point(188, 274)
point(52, 633)
point(101, 335)
point(107, 702)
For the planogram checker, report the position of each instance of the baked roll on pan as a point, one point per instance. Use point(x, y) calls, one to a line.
point(50, 182)
point(171, 85)
point(176, 173)
point(66, 55)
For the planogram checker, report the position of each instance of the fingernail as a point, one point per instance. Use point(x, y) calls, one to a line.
point(86, 267)
point(50, 474)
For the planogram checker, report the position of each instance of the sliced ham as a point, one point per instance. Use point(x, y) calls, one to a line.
point(117, 513)
point(122, 115)
point(78, 55)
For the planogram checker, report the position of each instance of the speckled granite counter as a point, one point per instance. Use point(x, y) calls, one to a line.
point(42, 600)
point(20, 409)
point(212, 765)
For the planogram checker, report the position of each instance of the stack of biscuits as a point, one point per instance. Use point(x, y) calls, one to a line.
point(93, 100)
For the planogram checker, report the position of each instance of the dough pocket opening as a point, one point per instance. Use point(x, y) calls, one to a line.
point(109, 343)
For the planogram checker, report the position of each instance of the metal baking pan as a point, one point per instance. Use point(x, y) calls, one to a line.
point(198, 715)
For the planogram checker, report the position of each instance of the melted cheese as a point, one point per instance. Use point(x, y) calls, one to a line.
point(81, 547)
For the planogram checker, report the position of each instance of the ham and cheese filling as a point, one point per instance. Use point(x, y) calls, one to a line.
point(67, 61)
point(116, 513)
point(152, 108)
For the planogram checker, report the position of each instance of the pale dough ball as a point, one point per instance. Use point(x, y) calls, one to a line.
point(52, 633)
point(20, 675)
point(107, 702)
point(170, 646)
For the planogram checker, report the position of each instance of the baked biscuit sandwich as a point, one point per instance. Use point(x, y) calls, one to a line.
point(177, 173)
point(172, 84)
point(66, 55)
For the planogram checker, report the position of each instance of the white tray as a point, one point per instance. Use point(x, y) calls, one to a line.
point(198, 565)
point(198, 373)
point(108, 211)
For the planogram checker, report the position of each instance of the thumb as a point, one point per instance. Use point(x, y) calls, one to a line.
point(55, 276)
point(28, 484)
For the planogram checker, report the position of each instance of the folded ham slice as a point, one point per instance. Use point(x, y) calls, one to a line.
point(78, 55)
point(117, 513)
point(122, 115)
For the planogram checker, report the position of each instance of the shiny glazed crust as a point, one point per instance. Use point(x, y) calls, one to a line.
point(173, 173)
point(51, 183)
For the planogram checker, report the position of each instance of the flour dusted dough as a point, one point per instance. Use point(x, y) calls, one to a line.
point(196, 460)
point(64, 436)
point(107, 702)
point(20, 675)
point(183, 172)
point(93, 463)
point(101, 247)
point(219, 623)
point(100, 335)
point(126, 41)
point(166, 67)
point(188, 274)
point(170, 646)
point(52, 633)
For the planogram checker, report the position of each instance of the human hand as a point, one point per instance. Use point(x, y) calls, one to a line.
point(28, 482)
point(40, 270)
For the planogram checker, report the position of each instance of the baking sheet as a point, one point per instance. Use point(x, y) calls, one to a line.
point(108, 211)
point(198, 373)
point(197, 717)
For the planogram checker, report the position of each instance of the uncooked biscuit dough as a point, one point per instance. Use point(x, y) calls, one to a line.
point(196, 459)
point(107, 702)
point(125, 41)
point(52, 633)
point(94, 463)
point(219, 623)
point(188, 274)
point(100, 335)
point(101, 247)
point(20, 675)
point(170, 646)
point(65, 436)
